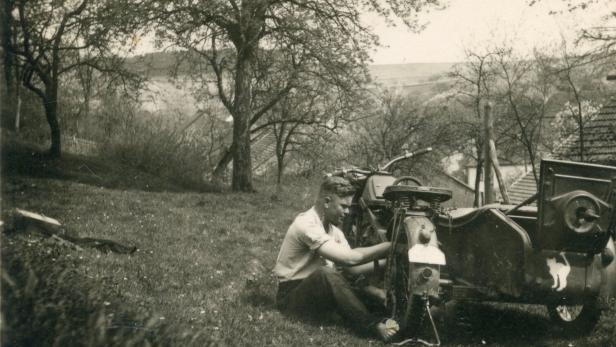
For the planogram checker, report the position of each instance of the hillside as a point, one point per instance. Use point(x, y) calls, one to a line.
point(164, 93)
point(405, 75)
point(162, 64)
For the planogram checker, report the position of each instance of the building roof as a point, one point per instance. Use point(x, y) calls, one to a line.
point(599, 148)
point(523, 188)
point(599, 139)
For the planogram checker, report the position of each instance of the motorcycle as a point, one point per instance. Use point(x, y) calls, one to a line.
point(555, 253)
point(401, 210)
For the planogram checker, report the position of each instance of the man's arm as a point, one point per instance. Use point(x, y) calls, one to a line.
point(366, 268)
point(340, 255)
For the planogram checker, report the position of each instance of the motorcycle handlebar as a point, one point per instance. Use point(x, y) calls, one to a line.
point(407, 155)
point(344, 172)
point(383, 169)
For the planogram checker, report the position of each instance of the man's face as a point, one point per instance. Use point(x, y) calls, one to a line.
point(337, 208)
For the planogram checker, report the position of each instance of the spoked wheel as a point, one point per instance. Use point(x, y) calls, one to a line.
point(407, 309)
point(575, 320)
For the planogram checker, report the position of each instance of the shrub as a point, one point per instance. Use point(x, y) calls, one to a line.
point(167, 145)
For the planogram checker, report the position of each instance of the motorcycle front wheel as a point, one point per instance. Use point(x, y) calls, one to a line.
point(405, 307)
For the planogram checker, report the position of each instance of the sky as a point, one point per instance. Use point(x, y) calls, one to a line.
point(473, 24)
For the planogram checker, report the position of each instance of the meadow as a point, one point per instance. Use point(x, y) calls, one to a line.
point(201, 275)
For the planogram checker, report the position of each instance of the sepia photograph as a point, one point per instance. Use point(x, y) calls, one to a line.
point(308, 173)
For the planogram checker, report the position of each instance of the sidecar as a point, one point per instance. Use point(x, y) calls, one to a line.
point(556, 249)
point(558, 252)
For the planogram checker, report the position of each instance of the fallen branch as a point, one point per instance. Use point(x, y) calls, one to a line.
point(22, 220)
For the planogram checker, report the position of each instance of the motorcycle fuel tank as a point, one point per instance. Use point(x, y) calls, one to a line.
point(375, 186)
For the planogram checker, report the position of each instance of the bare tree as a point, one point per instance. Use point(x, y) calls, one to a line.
point(306, 114)
point(474, 81)
point(576, 78)
point(398, 121)
point(524, 99)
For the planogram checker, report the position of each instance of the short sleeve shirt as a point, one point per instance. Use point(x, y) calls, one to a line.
point(298, 256)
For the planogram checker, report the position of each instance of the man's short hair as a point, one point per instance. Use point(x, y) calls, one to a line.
point(334, 185)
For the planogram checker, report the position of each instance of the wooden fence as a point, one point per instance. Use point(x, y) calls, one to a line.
point(76, 145)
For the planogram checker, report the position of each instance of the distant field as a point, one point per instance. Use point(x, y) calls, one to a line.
point(400, 75)
point(161, 65)
point(166, 94)
point(201, 275)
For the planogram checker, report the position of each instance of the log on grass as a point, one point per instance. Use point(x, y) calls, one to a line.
point(27, 221)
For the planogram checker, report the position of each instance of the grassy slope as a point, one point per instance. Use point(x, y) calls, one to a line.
point(200, 276)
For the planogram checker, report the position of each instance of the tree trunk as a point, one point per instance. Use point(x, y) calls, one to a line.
point(498, 172)
point(8, 74)
point(242, 161)
point(280, 162)
point(477, 200)
point(51, 108)
point(493, 155)
point(221, 166)
point(487, 171)
point(18, 107)
point(581, 132)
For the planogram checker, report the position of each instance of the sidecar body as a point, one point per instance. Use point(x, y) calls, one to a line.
point(559, 251)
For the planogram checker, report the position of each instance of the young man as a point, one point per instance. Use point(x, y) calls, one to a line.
point(308, 280)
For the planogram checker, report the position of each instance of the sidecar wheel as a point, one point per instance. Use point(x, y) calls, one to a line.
point(575, 320)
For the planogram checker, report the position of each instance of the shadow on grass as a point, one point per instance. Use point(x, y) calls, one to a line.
point(496, 324)
point(24, 159)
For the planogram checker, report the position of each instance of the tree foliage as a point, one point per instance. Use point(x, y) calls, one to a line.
point(531, 94)
point(324, 40)
point(398, 121)
point(53, 38)
point(602, 36)
point(307, 114)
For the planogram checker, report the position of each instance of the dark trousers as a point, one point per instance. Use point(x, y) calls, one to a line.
point(325, 290)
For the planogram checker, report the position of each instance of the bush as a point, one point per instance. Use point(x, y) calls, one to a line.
point(167, 145)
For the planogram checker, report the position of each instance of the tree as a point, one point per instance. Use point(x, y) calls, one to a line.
point(521, 92)
point(474, 81)
point(306, 114)
point(602, 36)
point(53, 38)
point(11, 93)
point(576, 77)
point(525, 92)
point(398, 122)
point(328, 33)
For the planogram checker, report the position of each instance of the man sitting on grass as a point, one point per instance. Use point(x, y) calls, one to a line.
point(308, 282)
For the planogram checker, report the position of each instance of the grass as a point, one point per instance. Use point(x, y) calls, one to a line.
point(201, 275)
